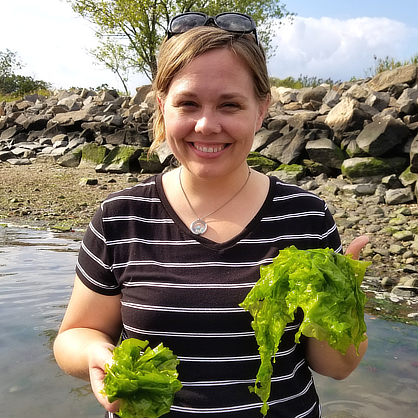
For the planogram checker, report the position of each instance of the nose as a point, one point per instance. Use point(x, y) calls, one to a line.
point(208, 125)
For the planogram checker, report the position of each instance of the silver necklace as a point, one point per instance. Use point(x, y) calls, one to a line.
point(199, 226)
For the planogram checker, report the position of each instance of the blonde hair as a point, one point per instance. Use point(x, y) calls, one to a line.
point(180, 50)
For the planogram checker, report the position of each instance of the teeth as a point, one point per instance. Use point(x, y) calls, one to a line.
point(209, 149)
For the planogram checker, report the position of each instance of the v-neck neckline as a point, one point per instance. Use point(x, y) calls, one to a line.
point(200, 238)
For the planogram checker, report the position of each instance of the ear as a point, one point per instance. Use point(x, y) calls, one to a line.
point(161, 103)
point(262, 110)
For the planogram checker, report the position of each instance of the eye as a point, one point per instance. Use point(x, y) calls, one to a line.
point(187, 103)
point(230, 106)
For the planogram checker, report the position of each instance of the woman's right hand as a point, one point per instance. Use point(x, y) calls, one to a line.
point(89, 331)
point(99, 355)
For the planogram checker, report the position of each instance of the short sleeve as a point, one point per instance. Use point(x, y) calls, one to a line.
point(94, 264)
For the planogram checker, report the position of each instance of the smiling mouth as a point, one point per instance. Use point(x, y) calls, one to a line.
point(210, 149)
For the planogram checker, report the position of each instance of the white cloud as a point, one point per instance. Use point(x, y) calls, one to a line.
point(54, 42)
point(337, 49)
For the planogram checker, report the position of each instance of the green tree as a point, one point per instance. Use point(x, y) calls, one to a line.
point(113, 57)
point(130, 31)
point(9, 63)
point(14, 84)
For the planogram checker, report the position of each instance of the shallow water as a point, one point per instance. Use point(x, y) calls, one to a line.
point(36, 275)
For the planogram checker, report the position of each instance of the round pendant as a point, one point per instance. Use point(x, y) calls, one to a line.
point(198, 227)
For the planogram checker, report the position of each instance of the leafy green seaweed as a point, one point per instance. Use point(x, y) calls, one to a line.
point(144, 379)
point(325, 284)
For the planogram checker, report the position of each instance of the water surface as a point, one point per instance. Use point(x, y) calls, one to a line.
point(36, 276)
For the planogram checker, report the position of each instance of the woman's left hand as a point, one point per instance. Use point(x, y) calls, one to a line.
point(326, 360)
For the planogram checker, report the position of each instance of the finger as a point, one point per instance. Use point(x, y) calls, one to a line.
point(356, 246)
point(96, 380)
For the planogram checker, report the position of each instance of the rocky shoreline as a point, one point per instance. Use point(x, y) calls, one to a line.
point(355, 145)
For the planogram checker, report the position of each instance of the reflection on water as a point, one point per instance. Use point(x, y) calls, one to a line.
point(386, 383)
point(36, 276)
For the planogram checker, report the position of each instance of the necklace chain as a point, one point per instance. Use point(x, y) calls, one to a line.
point(199, 226)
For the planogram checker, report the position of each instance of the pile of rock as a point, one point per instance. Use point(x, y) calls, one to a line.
point(365, 131)
point(78, 126)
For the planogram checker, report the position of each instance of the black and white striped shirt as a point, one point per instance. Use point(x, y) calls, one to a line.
point(184, 290)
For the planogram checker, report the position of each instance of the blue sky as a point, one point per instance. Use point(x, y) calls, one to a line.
point(328, 39)
point(339, 39)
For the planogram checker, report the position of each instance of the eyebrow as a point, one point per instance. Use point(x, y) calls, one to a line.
point(224, 96)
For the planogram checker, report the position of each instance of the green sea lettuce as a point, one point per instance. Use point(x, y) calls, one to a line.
point(142, 378)
point(325, 285)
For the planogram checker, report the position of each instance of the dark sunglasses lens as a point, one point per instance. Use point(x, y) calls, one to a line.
point(234, 23)
point(186, 22)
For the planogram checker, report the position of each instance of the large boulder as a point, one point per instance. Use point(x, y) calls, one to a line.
point(408, 101)
point(383, 81)
point(289, 148)
point(315, 94)
point(346, 115)
point(128, 136)
point(263, 138)
point(324, 151)
point(122, 159)
point(93, 154)
point(399, 196)
point(72, 118)
point(382, 135)
point(369, 169)
point(141, 94)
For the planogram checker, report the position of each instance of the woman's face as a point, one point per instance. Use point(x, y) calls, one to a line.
point(211, 114)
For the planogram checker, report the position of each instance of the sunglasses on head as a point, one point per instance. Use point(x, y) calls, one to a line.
point(229, 21)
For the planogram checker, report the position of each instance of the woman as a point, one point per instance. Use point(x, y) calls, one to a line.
point(170, 259)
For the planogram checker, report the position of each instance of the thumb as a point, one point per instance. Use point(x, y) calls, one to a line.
point(356, 246)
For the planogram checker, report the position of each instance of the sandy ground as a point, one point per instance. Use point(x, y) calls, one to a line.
point(50, 196)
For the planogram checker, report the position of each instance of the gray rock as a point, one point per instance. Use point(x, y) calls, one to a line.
point(164, 153)
point(412, 282)
point(6, 155)
point(382, 135)
point(403, 236)
point(325, 151)
point(414, 155)
point(314, 94)
point(392, 182)
point(70, 159)
point(288, 149)
point(70, 118)
point(371, 168)
point(299, 119)
point(383, 81)
point(263, 138)
point(19, 161)
point(277, 123)
point(346, 115)
point(119, 160)
point(378, 100)
point(331, 99)
point(399, 196)
point(141, 94)
point(9, 133)
point(408, 101)
point(360, 189)
point(357, 91)
point(405, 291)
